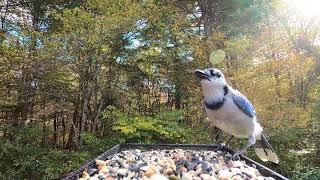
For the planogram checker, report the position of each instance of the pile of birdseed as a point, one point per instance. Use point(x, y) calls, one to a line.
point(172, 164)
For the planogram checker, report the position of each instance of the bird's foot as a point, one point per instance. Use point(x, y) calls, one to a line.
point(221, 146)
point(236, 155)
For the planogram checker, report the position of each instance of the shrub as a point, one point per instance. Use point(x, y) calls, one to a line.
point(311, 173)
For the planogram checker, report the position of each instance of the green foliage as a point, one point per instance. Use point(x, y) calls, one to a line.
point(312, 173)
point(80, 76)
point(30, 161)
point(165, 127)
point(93, 144)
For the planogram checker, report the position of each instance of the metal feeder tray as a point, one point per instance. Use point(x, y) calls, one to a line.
point(121, 147)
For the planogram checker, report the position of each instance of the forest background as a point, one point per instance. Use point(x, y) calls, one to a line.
point(78, 76)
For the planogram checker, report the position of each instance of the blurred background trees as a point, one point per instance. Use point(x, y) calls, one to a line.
point(80, 76)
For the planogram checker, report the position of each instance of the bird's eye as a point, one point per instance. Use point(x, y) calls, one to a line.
point(211, 72)
point(218, 75)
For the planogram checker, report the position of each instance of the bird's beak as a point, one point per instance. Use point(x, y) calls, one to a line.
point(201, 74)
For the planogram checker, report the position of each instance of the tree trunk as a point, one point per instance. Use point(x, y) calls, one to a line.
point(73, 133)
point(55, 135)
point(98, 113)
point(210, 18)
point(277, 81)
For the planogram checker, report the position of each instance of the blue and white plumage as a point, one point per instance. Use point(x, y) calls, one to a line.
point(233, 113)
point(243, 104)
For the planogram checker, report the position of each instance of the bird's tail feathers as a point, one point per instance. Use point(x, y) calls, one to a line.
point(264, 150)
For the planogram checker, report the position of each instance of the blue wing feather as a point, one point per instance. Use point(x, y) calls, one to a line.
point(243, 104)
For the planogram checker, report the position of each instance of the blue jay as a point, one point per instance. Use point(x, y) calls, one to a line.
point(231, 112)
